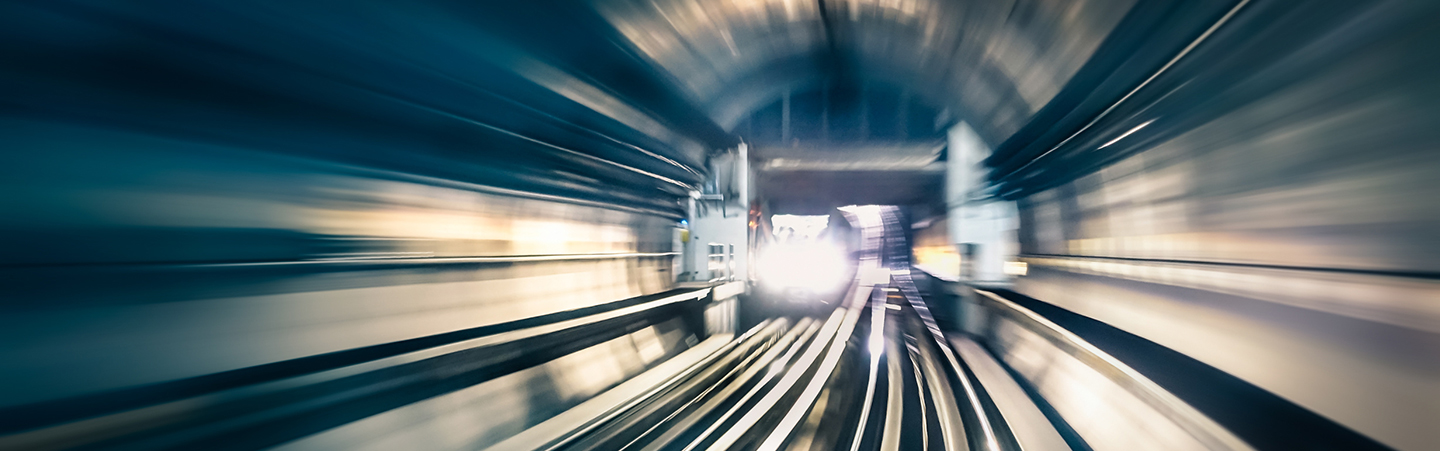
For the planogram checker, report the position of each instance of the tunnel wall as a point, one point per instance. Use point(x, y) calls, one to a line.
point(1289, 241)
point(197, 188)
point(133, 259)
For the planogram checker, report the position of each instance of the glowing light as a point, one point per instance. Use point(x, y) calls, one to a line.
point(799, 226)
point(866, 215)
point(814, 266)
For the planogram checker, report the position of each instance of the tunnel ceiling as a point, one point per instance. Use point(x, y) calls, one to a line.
point(545, 98)
point(994, 63)
point(844, 114)
point(787, 76)
point(1037, 79)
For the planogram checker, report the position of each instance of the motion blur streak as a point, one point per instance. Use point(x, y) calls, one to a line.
point(547, 224)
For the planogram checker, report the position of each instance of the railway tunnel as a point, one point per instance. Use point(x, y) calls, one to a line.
point(720, 224)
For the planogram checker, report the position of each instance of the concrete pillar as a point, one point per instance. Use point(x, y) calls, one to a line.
point(983, 231)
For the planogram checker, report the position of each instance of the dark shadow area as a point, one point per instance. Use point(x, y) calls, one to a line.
point(1262, 419)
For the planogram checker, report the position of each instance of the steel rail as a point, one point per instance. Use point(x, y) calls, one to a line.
point(596, 423)
point(788, 344)
point(731, 375)
point(912, 296)
point(771, 371)
point(822, 375)
point(877, 330)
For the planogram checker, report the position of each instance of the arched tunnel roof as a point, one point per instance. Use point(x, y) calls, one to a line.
point(1033, 78)
point(993, 63)
point(544, 96)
